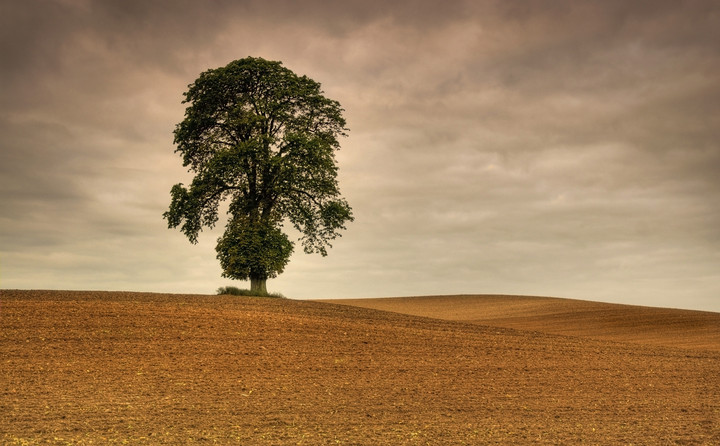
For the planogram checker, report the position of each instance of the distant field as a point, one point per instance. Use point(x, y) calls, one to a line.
point(141, 368)
point(624, 323)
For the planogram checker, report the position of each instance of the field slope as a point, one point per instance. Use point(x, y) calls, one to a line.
point(624, 323)
point(138, 368)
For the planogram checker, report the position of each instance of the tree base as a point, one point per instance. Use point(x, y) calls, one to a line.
point(258, 286)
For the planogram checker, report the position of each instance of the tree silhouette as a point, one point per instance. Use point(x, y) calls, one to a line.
point(263, 138)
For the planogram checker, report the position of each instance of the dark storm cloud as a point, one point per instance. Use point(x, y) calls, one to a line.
point(566, 148)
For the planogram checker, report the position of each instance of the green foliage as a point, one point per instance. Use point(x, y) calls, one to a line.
point(235, 291)
point(253, 250)
point(263, 138)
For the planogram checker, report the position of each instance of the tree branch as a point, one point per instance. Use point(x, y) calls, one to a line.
point(312, 197)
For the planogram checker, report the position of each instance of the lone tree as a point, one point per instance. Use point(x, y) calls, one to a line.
point(264, 138)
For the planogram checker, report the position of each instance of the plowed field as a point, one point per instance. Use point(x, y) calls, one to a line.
point(597, 320)
point(137, 368)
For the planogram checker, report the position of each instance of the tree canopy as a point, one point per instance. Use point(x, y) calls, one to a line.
point(263, 138)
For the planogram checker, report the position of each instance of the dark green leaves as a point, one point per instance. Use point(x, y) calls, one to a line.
point(253, 250)
point(259, 135)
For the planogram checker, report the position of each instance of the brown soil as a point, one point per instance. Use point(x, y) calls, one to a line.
point(614, 322)
point(99, 368)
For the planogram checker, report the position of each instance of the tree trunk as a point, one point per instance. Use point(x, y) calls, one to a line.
point(258, 286)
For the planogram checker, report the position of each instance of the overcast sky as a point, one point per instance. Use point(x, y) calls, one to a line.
point(558, 148)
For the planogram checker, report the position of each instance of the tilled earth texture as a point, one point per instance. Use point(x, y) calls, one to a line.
point(137, 368)
point(597, 320)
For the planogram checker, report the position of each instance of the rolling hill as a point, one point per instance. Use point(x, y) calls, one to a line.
point(615, 322)
point(142, 368)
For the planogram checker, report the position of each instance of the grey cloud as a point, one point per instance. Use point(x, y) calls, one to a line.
point(568, 148)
